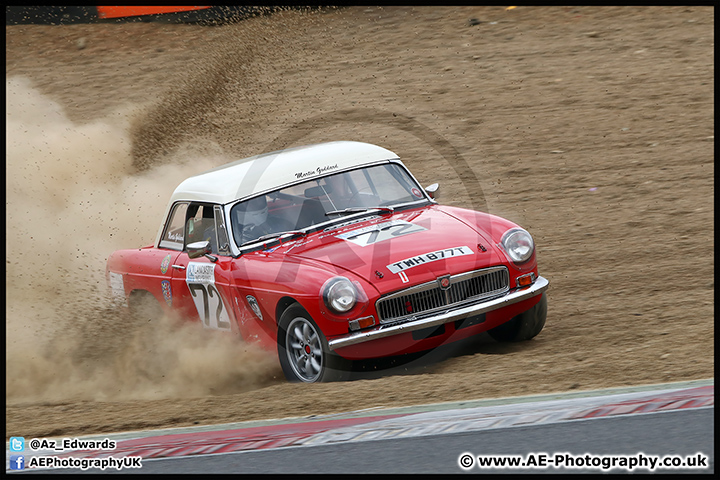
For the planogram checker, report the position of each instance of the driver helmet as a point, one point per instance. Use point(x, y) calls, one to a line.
point(254, 213)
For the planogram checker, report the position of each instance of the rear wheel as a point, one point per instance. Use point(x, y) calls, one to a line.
point(524, 326)
point(303, 350)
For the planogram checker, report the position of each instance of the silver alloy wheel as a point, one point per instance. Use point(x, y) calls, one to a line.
point(304, 349)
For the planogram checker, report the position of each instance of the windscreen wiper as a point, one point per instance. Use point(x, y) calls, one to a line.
point(351, 210)
point(271, 236)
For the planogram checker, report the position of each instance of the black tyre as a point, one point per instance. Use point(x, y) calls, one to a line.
point(524, 326)
point(303, 350)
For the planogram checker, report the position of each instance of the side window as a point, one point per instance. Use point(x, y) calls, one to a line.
point(174, 229)
point(205, 222)
point(222, 236)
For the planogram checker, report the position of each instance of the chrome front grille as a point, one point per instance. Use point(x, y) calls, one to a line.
point(430, 297)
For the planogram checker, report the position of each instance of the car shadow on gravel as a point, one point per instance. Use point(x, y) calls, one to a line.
point(431, 360)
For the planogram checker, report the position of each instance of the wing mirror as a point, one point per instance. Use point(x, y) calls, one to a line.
point(199, 249)
point(432, 190)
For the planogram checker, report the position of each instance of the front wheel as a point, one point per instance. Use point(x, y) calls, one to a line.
point(524, 326)
point(303, 350)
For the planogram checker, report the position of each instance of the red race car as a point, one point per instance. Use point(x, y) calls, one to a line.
point(331, 253)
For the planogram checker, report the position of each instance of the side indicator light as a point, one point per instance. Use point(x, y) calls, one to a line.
point(361, 323)
point(525, 280)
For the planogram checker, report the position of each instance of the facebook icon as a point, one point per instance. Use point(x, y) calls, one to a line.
point(17, 462)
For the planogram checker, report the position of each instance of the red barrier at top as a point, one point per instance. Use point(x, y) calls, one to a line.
point(115, 12)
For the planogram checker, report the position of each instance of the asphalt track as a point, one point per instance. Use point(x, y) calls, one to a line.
point(581, 431)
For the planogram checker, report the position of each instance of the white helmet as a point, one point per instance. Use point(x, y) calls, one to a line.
point(254, 212)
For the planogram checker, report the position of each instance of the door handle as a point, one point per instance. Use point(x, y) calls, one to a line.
point(178, 267)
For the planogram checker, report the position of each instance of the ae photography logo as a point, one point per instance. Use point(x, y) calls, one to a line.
point(425, 136)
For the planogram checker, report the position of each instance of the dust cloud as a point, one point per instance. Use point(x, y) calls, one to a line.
point(73, 197)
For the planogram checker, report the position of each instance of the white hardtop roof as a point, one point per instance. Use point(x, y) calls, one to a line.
point(273, 170)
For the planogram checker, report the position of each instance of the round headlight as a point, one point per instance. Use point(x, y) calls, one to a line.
point(340, 295)
point(518, 244)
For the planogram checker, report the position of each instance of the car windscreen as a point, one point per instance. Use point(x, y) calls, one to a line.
point(322, 199)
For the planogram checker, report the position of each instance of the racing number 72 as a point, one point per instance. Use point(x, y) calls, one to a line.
point(209, 293)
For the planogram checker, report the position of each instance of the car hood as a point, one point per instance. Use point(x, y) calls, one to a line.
point(396, 251)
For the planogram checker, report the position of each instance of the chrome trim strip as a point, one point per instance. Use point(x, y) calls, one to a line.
point(540, 285)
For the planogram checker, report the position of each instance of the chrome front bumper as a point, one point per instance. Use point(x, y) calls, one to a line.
point(515, 296)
